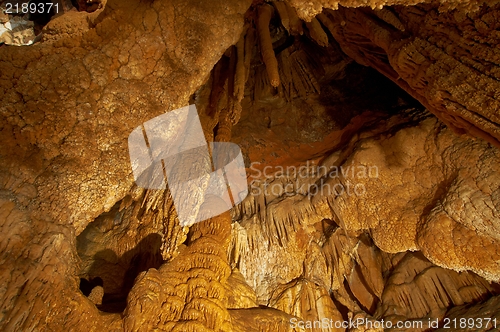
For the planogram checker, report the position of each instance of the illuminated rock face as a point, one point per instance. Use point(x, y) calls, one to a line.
point(363, 204)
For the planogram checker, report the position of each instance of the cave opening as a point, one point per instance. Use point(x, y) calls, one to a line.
point(110, 263)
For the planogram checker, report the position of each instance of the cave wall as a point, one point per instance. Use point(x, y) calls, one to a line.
point(70, 102)
point(443, 59)
point(68, 106)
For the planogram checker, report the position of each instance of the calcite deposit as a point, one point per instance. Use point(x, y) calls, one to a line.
point(370, 135)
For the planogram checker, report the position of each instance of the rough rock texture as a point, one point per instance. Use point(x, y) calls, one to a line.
point(392, 216)
point(308, 9)
point(445, 60)
point(441, 54)
point(415, 285)
point(485, 317)
point(345, 241)
point(16, 30)
point(68, 106)
point(187, 293)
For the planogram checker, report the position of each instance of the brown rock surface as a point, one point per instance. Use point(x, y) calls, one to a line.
point(67, 108)
point(443, 59)
point(483, 316)
point(311, 8)
point(363, 204)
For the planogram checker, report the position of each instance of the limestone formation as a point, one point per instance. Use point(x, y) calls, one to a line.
point(440, 72)
point(480, 317)
point(370, 134)
point(266, 46)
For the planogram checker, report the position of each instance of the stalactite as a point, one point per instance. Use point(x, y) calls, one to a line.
point(327, 22)
point(220, 75)
point(233, 59)
point(261, 83)
point(231, 112)
point(360, 289)
point(282, 9)
point(301, 68)
point(417, 288)
point(389, 17)
point(250, 40)
point(370, 263)
point(296, 27)
point(240, 73)
point(236, 85)
point(317, 33)
point(266, 45)
point(286, 75)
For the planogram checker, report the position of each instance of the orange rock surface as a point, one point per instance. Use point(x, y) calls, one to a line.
point(370, 135)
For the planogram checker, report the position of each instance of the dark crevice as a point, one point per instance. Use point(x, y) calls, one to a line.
point(115, 273)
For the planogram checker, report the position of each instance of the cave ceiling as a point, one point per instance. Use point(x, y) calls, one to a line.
point(369, 133)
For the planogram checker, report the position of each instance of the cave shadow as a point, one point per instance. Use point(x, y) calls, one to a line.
point(363, 89)
point(145, 255)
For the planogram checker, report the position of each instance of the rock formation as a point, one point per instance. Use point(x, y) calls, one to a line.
point(370, 134)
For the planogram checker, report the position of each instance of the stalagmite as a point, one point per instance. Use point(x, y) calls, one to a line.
point(224, 128)
point(96, 295)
